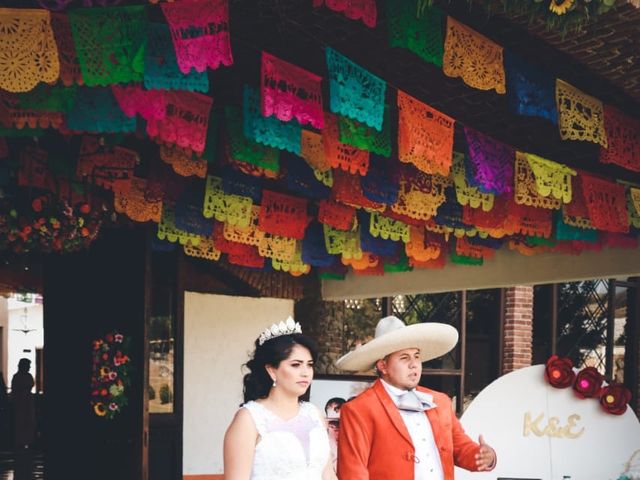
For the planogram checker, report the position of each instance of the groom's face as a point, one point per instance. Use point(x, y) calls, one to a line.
point(402, 369)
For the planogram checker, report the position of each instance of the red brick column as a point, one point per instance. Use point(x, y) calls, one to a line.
point(518, 328)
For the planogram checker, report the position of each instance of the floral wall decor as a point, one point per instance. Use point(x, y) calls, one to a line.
point(587, 383)
point(110, 375)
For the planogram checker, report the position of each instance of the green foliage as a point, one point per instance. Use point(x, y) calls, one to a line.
point(360, 323)
point(166, 395)
point(578, 13)
point(580, 325)
point(152, 393)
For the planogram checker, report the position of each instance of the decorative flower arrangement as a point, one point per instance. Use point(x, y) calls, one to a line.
point(587, 383)
point(110, 377)
point(559, 372)
point(48, 225)
point(614, 398)
point(565, 15)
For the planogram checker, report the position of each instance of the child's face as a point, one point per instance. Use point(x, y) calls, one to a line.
point(334, 429)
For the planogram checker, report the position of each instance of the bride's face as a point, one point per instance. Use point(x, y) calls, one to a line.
point(294, 374)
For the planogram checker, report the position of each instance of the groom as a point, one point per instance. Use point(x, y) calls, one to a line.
point(397, 429)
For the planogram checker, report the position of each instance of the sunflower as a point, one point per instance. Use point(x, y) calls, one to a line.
point(560, 7)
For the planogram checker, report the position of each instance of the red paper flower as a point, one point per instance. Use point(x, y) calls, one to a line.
point(588, 382)
point(614, 398)
point(559, 372)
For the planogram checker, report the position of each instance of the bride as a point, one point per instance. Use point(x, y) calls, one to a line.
point(275, 435)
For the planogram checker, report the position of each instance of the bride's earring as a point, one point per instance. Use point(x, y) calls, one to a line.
point(274, 383)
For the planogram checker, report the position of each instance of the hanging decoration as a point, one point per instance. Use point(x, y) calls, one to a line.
point(491, 163)
point(425, 136)
point(132, 99)
point(185, 122)
point(354, 92)
point(380, 184)
point(283, 215)
point(580, 116)
point(366, 138)
point(576, 212)
point(248, 235)
point(238, 183)
point(388, 228)
point(109, 169)
point(110, 43)
point(633, 206)
point(302, 181)
point(340, 155)
point(33, 171)
point(473, 57)
point(96, 110)
point(606, 202)
point(417, 29)
point(527, 191)
point(531, 90)
point(341, 198)
point(188, 214)
point(336, 215)
point(276, 247)
point(244, 150)
point(70, 73)
point(348, 190)
point(294, 266)
point(167, 229)
point(364, 10)
point(551, 178)
point(465, 193)
point(312, 150)
point(200, 33)
point(420, 194)
point(31, 54)
point(526, 220)
point(268, 131)
point(205, 249)
point(161, 69)
point(422, 247)
point(135, 205)
point(232, 209)
point(623, 139)
point(342, 243)
point(314, 252)
point(289, 92)
point(564, 231)
point(22, 111)
point(183, 162)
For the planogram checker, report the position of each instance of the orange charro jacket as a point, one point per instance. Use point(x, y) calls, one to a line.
point(375, 444)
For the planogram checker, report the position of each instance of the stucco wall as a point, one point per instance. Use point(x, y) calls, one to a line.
point(219, 332)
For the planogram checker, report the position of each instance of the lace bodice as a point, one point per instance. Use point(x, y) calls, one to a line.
point(295, 449)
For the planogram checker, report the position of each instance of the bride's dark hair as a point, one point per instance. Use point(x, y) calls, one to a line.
point(257, 382)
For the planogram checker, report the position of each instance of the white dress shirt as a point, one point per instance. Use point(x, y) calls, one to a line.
point(427, 465)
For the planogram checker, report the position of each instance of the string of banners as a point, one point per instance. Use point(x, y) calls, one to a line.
point(281, 181)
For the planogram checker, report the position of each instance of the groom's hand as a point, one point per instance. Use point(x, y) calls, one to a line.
point(486, 456)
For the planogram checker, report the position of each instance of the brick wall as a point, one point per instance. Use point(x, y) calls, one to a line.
point(518, 328)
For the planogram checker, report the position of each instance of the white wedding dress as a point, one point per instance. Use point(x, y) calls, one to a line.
point(295, 449)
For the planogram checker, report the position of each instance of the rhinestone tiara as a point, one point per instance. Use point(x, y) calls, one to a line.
point(277, 329)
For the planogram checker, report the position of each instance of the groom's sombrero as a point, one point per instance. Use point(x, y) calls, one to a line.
point(433, 340)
